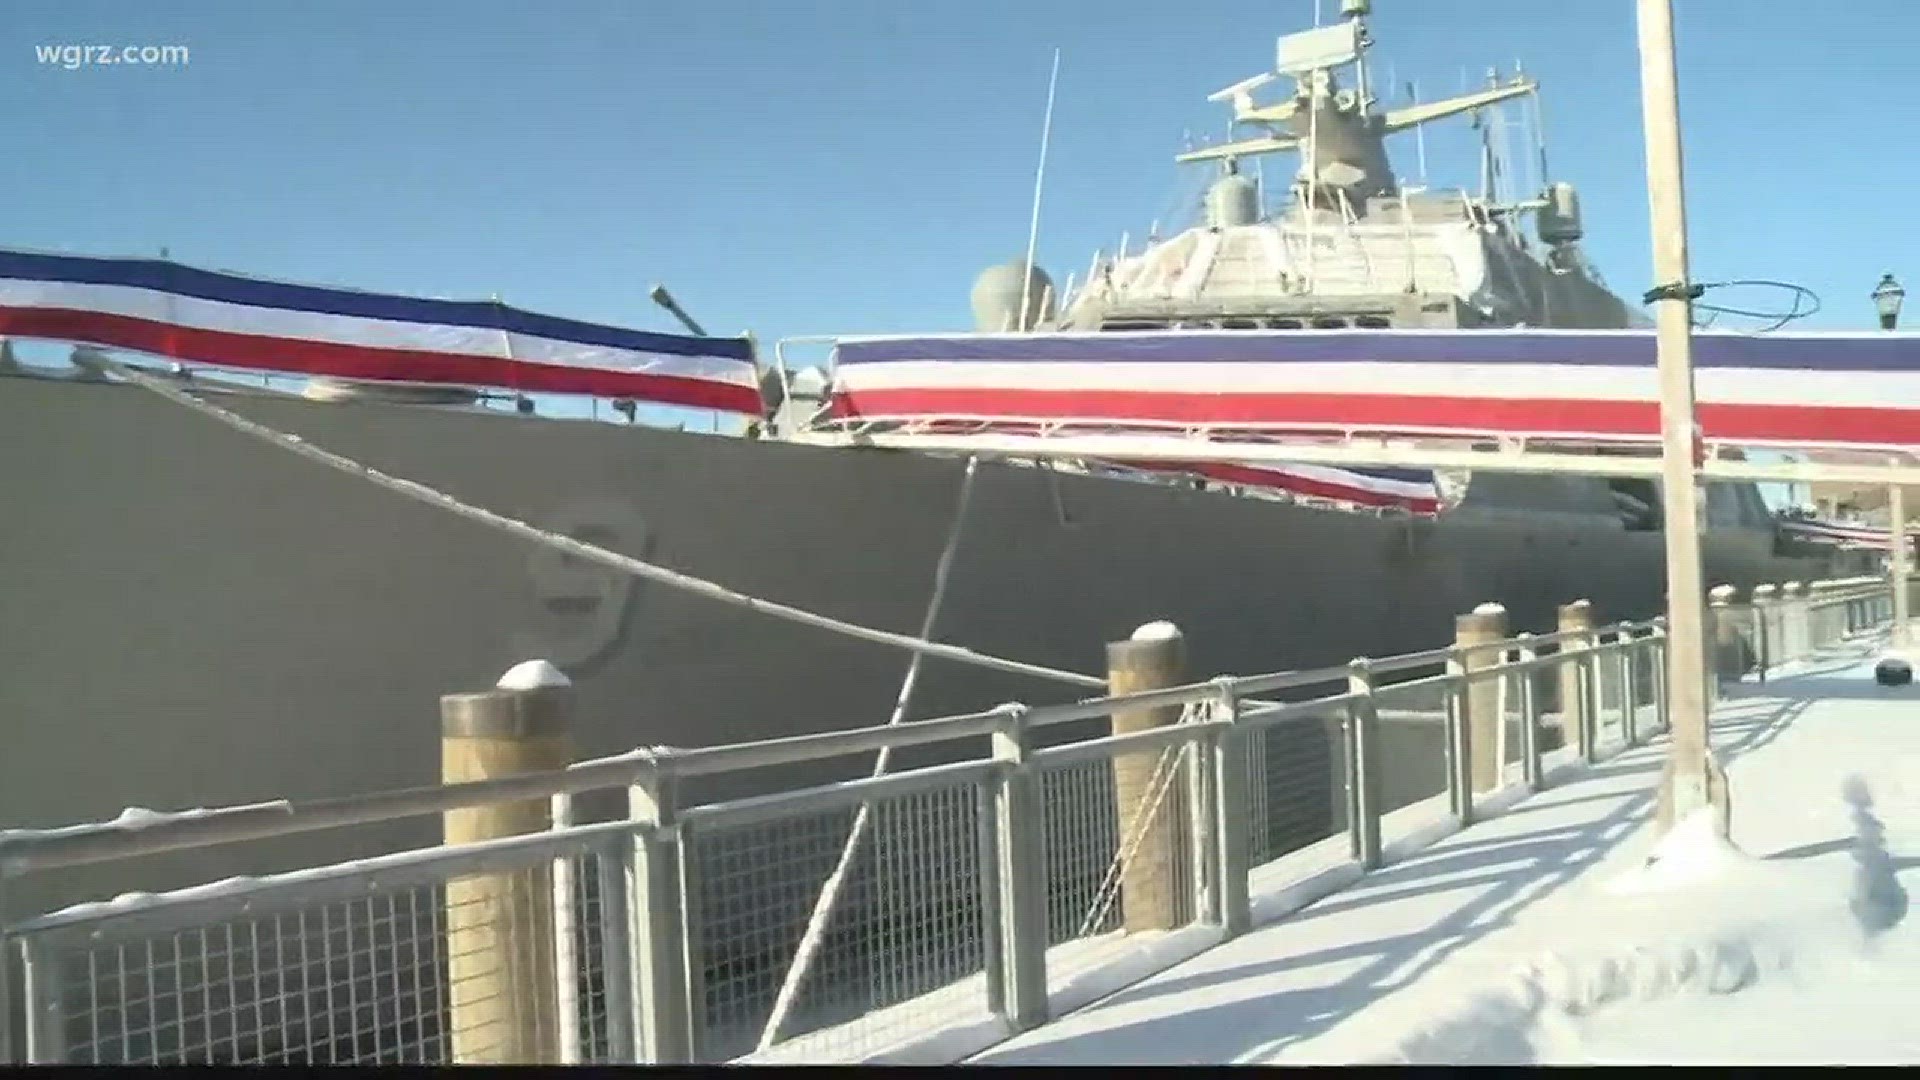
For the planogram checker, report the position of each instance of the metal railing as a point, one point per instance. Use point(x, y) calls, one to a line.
point(993, 890)
point(1778, 624)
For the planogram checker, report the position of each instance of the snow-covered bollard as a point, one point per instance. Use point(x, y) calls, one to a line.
point(1893, 671)
point(1575, 618)
point(1473, 633)
point(1727, 662)
point(1154, 658)
point(500, 937)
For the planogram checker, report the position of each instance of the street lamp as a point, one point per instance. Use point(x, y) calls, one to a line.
point(1886, 300)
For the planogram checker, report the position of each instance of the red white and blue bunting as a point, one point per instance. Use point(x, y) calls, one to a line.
point(200, 316)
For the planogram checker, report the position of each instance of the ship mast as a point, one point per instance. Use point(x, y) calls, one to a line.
point(1337, 133)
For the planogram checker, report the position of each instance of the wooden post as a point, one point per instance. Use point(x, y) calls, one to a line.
point(1481, 627)
point(1152, 659)
point(1793, 621)
point(1819, 616)
point(1726, 636)
point(500, 958)
point(1766, 634)
point(1574, 706)
point(1687, 783)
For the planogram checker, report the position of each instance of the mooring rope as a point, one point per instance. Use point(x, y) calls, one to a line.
point(419, 492)
point(1159, 782)
point(823, 905)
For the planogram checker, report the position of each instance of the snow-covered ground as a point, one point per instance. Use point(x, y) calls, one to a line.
point(1559, 932)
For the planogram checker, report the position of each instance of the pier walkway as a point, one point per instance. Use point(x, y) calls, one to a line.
point(1419, 961)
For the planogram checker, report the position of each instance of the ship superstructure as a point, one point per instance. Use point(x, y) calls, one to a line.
point(1351, 245)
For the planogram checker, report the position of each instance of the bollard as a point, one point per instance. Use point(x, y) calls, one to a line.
point(1726, 640)
point(1817, 614)
point(1726, 631)
point(1529, 719)
point(1793, 619)
point(1472, 632)
point(502, 995)
point(1575, 708)
point(1153, 659)
point(1766, 632)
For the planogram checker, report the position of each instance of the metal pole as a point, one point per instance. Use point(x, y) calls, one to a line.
point(1022, 873)
point(661, 967)
point(1230, 824)
point(566, 954)
point(1529, 717)
point(1690, 761)
point(1897, 561)
point(1363, 767)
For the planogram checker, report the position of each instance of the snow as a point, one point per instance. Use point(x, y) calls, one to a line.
point(532, 675)
point(129, 902)
point(1490, 609)
point(1121, 963)
point(134, 818)
point(952, 1023)
point(1160, 630)
point(1557, 930)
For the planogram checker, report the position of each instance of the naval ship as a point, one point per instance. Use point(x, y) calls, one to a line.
point(195, 618)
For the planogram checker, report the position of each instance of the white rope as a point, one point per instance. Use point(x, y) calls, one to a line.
point(1159, 782)
point(817, 921)
point(592, 553)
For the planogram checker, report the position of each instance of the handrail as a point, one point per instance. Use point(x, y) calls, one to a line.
point(28, 850)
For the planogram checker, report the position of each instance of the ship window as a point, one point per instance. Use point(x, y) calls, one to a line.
point(1239, 324)
point(1283, 324)
point(1133, 324)
point(1327, 322)
point(1373, 322)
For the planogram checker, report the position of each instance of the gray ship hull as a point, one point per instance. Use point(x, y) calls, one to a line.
point(194, 618)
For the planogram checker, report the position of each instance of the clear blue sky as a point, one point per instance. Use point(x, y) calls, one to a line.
point(848, 165)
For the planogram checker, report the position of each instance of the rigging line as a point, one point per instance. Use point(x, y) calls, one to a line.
point(817, 922)
point(419, 492)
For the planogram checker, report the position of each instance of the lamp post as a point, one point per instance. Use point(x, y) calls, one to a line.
point(1886, 300)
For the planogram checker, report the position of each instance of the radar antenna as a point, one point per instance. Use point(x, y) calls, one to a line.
point(1336, 131)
